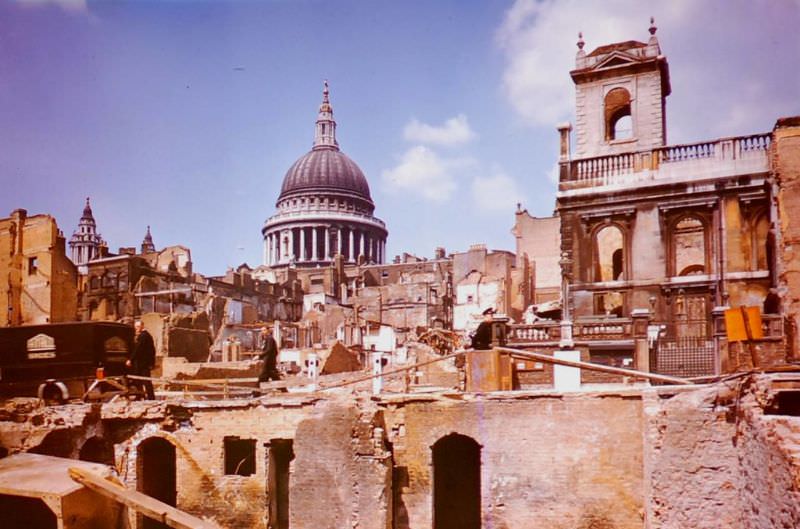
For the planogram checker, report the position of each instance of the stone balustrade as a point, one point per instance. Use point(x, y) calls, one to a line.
point(727, 157)
point(548, 331)
point(583, 330)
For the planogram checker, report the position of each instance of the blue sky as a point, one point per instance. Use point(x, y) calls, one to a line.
point(185, 115)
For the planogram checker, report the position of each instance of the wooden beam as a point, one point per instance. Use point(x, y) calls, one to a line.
point(147, 505)
point(528, 355)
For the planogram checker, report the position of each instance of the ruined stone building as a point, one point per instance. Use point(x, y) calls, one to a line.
point(178, 302)
point(39, 282)
point(538, 239)
point(672, 232)
point(324, 207)
point(485, 279)
point(653, 237)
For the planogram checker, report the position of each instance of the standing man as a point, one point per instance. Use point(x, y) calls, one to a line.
point(143, 358)
point(482, 339)
point(269, 354)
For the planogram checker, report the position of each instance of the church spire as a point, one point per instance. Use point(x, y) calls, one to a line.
point(85, 242)
point(87, 211)
point(325, 135)
point(147, 243)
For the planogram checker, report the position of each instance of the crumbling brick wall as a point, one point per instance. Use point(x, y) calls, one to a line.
point(546, 461)
point(786, 167)
point(715, 460)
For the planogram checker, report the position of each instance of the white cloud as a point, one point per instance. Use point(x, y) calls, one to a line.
point(454, 131)
point(421, 171)
point(498, 193)
point(72, 6)
point(715, 49)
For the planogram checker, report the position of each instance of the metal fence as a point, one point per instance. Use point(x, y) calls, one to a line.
point(687, 356)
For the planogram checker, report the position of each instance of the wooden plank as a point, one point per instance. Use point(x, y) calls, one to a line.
point(594, 367)
point(148, 506)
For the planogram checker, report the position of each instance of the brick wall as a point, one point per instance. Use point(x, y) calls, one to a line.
point(535, 471)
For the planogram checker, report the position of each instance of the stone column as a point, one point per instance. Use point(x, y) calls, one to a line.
point(302, 256)
point(350, 254)
point(265, 257)
point(272, 249)
point(314, 251)
point(327, 244)
point(290, 253)
point(361, 243)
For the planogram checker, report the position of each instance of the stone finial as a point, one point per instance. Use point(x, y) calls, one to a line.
point(580, 57)
point(652, 29)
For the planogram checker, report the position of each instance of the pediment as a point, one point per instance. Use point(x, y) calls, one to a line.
point(616, 59)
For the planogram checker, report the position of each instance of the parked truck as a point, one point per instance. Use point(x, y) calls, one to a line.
point(59, 361)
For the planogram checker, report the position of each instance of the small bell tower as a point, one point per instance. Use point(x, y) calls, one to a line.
point(620, 97)
point(85, 242)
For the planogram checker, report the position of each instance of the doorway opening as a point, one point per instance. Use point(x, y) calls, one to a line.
point(456, 483)
point(280, 458)
point(156, 476)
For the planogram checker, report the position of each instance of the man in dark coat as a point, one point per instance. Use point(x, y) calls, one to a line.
point(269, 354)
point(482, 339)
point(143, 358)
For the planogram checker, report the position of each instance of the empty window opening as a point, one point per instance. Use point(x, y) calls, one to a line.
point(156, 476)
point(609, 254)
point(240, 456)
point(760, 236)
point(97, 450)
point(689, 247)
point(619, 123)
point(58, 443)
point(280, 458)
point(456, 483)
point(785, 403)
point(33, 265)
point(21, 512)
point(609, 304)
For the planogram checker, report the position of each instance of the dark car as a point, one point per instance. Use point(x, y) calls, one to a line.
point(59, 361)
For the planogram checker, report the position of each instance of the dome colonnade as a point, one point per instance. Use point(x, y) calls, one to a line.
point(324, 207)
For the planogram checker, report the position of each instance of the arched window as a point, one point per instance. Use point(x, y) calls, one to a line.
point(619, 124)
point(689, 247)
point(609, 256)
